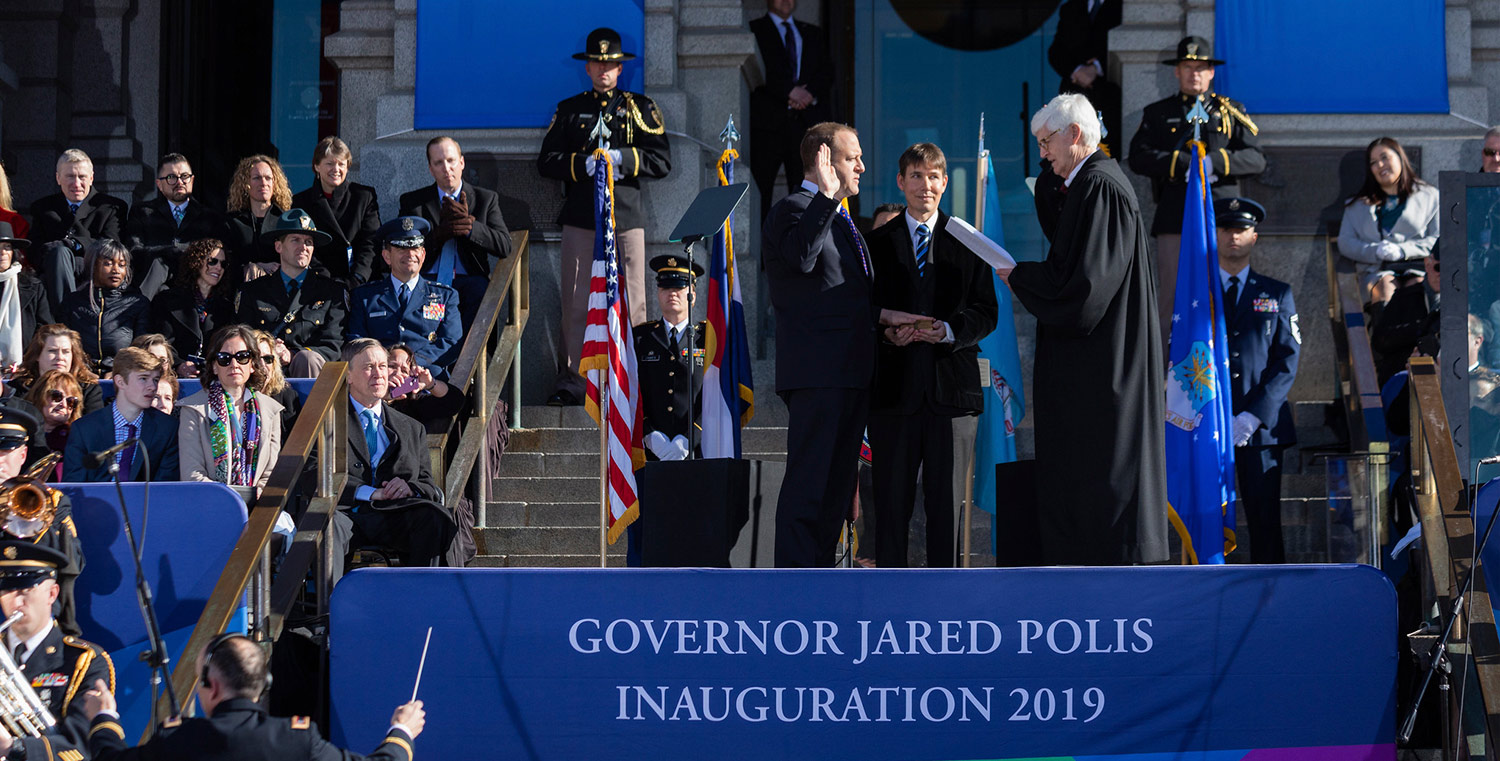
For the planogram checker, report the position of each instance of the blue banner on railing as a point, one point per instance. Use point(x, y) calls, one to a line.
point(1199, 663)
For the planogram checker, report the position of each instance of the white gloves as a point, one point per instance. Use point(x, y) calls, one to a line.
point(1390, 252)
point(679, 448)
point(1245, 426)
point(666, 449)
point(590, 163)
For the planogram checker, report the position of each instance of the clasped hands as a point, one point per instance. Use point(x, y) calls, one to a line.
point(591, 163)
point(902, 328)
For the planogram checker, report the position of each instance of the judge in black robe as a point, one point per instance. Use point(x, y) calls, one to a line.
point(1098, 378)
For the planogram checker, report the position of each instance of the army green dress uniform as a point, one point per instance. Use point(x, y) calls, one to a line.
point(309, 317)
point(638, 131)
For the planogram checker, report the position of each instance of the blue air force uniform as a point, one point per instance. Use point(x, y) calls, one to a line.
point(1264, 342)
point(427, 320)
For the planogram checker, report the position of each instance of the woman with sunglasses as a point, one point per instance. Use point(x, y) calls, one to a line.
point(57, 347)
point(109, 311)
point(199, 301)
point(229, 432)
point(60, 400)
point(274, 384)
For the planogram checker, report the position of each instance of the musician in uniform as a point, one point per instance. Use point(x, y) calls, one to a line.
point(637, 141)
point(232, 674)
point(302, 309)
point(52, 526)
point(59, 668)
point(1160, 152)
point(404, 307)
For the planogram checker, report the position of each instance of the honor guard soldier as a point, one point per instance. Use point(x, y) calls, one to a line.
point(665, 361)
point(1160, 152)
point(1264, 342)
point(303, 310)
point(59, 668)
point(35, 513)
point(404, 307)
point(633, 131)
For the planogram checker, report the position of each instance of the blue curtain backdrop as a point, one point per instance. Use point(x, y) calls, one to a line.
point(1333, 56)
point(506, 63)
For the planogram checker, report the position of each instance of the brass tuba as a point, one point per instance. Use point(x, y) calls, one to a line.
point(22, 713)
point(27, 505)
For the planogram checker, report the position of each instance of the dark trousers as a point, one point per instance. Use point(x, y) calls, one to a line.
point(60, 271)
point(1259, 476)
point(421, 532)
point(769, 151)
point(900, 446)
point(824, 428)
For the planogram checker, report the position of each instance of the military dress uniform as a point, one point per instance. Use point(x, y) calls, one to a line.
point(308, 316)
point(638, 131)
point(1265, 340)
point(427, 320)
point(663, 374)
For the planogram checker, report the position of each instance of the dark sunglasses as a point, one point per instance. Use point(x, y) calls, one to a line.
point(1492, 152)
point(242, 357)
point(214, 261)
point(267, 358)
point(12, 441)
point(54, 395)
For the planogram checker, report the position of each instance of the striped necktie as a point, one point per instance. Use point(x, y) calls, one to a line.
point(177, 213)
point(859, 242)
point(924, 246)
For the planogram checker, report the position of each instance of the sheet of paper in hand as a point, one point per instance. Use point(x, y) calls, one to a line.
point(991, 252)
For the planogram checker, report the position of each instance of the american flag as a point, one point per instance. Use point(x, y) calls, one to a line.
point(609, 360)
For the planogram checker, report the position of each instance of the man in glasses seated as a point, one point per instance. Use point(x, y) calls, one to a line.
point(17, 431)
point(159, 229)
point(147, 437)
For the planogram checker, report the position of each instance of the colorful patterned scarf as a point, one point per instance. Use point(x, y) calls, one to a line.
point(233, 465)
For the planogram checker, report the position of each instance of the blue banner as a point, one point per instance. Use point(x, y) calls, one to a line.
point(931, 664)
point(1004, 400)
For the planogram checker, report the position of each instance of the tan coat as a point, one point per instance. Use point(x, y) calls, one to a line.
point(195, 448)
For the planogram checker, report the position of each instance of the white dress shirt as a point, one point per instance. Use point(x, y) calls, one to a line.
point(32, 643)
point(911, 229)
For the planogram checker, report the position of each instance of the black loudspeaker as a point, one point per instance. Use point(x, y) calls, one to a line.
point(692, 511)
point(1018, 527)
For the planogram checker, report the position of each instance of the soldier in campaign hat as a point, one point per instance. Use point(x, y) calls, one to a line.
point(302, 309)
point(631, 127)
point(1160, 152)
point(1264, 342)
point(404, 307)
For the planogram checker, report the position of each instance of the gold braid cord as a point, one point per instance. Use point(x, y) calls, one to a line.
point(1239, 115)
point(640, 120)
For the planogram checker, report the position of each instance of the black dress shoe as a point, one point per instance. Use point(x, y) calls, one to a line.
point(562, 398)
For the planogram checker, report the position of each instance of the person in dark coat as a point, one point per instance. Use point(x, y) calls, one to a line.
point(273, 383)
point(421, 396)
point(1265, 340)
point(1079, 53)
point(258, 194)
point(56, 664)
point(20, 433)
point(65, 223)
point(137, 374)
point(234, 673)
point(1099, 406)
point(1159, 151)
point(404, 307)
point(160, 229)
point(639, 150)
point(820, 279)
point(926, 394)
point(797, 93)
point(304, 310)
point(468, 236)
point(200, 301)
point(346, 211)
point(23, 301)
point(109, 313)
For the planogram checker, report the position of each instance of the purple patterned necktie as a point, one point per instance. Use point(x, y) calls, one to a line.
point(127, 455)
point(859, 242)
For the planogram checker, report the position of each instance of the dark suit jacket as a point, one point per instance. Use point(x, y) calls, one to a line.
point(768, 102)
point(1080, 38)
point(963, 295)
point(316, 324)
point(99, 216)
point(1264, 343)
point(825, 315)
point(352, 217)
point(243, 239)
point(429, 325)
point(174, 314)
point(96, 431)
point(490, 237)
point(405, 457)
point(152, 233)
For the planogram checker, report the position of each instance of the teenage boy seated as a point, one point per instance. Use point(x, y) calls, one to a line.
point(130, 418)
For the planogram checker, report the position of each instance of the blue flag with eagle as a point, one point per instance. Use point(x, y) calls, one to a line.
point(1200, 452)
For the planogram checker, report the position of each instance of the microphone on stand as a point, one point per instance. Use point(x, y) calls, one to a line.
point(103, 457)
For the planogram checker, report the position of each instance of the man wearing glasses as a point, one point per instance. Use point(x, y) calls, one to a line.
point(1491, 161)
point(160, 228)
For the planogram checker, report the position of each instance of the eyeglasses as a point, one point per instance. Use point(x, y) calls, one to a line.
point(54, 395)
point(268, 358)
point(214, 261)
point(1042, 143)
point(12, 441)
point(1492, 152)
point(240, 357)
point(172, 179)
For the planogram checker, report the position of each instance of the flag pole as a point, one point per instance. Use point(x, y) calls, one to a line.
point(982, 177)
point(604, 470)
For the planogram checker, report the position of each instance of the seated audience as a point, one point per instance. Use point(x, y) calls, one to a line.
point(1391, 224)
point(229, 432)
point(406, 307)
point(109, 313)
point(415, 393)
point(200, 301)
point(64, 224)
point(8, 213)
point(390, 499)
point(167, 392)
point(160, 228)
point(273, 383)
point(156, 343)
point(346, 210)
point(23, 302)
point(57, 347)
point(136, 374)
point(17, 431)
point(302, 309)
point(258, 194)
point(1490, 153)
point(1408, 325)
point(58, 398)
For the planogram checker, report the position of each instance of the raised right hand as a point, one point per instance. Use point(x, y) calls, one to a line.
point(411, 716)
point(828, 179)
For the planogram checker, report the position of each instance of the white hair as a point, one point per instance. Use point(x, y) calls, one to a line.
point(1492, 132)
point(1065, 110)
point(73, 156)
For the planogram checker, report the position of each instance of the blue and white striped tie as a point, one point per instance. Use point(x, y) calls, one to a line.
point(924, 244)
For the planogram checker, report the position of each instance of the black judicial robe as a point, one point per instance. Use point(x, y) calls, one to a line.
point(1098, 400)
